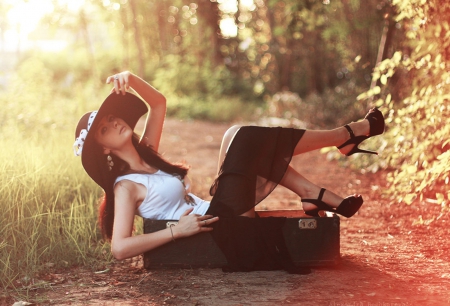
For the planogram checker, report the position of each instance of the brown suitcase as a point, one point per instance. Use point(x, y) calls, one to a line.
point(311, 242)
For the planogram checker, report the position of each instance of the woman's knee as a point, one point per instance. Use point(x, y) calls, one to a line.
point(229, 135)
point(226, 141)
point(231, 131)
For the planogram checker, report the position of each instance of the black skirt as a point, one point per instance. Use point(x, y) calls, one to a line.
point(255, 163)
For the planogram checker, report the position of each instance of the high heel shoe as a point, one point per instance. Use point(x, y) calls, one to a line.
point(348, 207)
point(376, 122)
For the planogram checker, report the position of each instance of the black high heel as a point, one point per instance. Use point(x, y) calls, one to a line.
point(376, 121)
point(348, 207)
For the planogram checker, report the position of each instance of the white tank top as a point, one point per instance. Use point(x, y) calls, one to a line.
point(165, 196)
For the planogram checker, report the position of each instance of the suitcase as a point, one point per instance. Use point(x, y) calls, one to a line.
point(311, 242)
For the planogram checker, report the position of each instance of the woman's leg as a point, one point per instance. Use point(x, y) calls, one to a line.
point(313, 140)
point(226, 141)
point(305, 189)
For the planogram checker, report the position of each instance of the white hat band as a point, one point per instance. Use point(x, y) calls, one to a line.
point(79, 142)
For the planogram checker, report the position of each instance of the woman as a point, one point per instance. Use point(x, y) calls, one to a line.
point(252, 160)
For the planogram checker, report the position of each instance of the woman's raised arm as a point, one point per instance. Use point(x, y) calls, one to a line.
point(157, 102)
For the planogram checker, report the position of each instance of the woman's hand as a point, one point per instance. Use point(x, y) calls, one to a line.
point(125, 80)
point(189, 225)
point(121, 82)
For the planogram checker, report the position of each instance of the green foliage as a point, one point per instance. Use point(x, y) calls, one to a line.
point(217, 109)
point(307, 47)
point(418, 122)
point(182, 75)
point(27, 98)
point(200, 92)
point(35, 100)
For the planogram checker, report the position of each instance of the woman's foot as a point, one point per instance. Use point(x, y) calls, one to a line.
point(328, 201)
point(360, 128)
point(372, 125)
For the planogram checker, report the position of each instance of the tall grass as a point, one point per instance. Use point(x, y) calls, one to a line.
point(48, 204)
point(48, 208)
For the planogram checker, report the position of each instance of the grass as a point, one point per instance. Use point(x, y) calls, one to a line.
point(48, 209)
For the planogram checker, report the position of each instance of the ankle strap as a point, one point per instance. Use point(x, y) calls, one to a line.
point(350, 131)
point(322, 191)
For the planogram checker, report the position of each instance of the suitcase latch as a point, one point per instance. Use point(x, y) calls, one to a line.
point(308, 223)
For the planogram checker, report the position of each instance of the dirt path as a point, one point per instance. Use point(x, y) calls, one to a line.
point(386, 260)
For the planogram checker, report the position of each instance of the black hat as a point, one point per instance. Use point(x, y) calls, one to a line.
point(129, 108)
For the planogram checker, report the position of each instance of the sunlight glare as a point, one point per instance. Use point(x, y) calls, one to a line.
point(227, 25)
point(247, 5)
point(228, 6)
point(228, 28)
point(23, 18)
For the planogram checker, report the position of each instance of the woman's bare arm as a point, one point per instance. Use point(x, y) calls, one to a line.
point(155, 99)
point(125, 245)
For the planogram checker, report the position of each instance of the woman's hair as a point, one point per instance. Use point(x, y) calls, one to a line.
point(151, 157)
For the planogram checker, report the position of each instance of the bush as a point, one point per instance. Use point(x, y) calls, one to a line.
point(419, 124)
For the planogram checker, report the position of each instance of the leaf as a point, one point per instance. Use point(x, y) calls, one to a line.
point(388, 99)
point(376, 75)
point(440, 198)
point(101, 272)
point(362, 96)
point(409, 198)
point(411, 169)
point(397, 56)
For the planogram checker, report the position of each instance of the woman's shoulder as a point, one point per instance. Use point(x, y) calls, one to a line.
point(125, 183)
point(130, 190)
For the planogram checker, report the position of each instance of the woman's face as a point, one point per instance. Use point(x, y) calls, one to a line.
point(112, 133)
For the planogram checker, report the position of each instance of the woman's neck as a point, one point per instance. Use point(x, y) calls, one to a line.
point(142, 167)
point(135, 161)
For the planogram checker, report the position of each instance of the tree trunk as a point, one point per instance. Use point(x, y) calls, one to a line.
point(208, 11)
point(125, 42)
point(137, 38)
point(90, 49)
point(274, 47)
point(162, 15)
point(385, 41)
point(286, 68)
